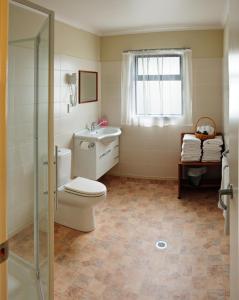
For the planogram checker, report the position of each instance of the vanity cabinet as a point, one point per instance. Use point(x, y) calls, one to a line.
point(93, 159)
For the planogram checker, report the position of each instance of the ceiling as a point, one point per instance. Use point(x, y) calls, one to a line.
point(109, 17)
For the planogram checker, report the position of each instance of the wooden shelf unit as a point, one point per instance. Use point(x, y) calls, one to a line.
point(205, 183)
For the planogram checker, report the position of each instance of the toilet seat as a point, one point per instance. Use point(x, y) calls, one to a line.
point(85, 187)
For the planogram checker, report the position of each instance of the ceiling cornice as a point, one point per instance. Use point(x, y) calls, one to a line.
point(141, 29)
point(162, 29)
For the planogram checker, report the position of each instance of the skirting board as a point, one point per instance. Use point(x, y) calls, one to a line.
point(142, 177)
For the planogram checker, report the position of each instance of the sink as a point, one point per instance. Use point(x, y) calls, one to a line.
point(101, 134)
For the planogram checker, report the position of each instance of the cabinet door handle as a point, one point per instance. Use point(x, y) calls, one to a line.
point(105, 153)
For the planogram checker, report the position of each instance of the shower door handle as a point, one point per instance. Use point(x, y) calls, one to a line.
point(56, 179)
point(225, 192)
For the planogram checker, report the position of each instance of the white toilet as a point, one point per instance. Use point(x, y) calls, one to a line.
point(76, 197)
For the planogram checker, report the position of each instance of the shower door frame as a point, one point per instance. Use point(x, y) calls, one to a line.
point(51, 165)
point(3, 139)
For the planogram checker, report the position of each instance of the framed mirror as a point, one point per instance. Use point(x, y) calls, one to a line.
point(88, 86)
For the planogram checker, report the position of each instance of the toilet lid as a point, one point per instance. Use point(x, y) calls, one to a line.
point(85, 187)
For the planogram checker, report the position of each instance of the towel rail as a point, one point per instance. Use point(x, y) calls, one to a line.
point(225, 192)
point(225, 152)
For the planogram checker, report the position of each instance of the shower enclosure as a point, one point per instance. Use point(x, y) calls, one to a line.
point(30, 152)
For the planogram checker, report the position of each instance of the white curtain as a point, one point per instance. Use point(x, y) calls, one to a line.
point(148, 110)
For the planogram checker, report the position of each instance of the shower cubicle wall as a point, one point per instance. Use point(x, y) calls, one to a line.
point(30, 157)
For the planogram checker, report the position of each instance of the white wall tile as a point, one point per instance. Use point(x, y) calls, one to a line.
point(21, 136)
point(68, 123)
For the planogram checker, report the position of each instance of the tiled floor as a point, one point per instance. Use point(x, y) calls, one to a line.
point(119, 260)
point(22, 244)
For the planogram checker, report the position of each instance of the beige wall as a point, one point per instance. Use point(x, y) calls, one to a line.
point(24, 24)
point(74, 42)
point(68, 40)
point(154, 152)
point(204, 43)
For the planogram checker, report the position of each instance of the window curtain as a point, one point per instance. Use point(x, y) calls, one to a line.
point(128, 91)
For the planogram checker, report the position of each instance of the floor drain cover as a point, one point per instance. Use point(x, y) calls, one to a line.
point(161, 245)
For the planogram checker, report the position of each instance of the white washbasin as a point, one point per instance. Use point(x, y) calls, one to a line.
point(100, 134)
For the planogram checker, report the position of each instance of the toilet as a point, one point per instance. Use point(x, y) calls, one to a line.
point(76, 197)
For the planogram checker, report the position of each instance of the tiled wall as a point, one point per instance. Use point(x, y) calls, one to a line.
point(21, 125)
point(80, 115)
point(70, 41)
point(20, 137)
point(154, 152)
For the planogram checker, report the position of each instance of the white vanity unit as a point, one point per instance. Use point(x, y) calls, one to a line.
point(95, 152)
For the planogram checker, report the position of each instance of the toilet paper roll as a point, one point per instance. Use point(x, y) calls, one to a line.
point(84, 146)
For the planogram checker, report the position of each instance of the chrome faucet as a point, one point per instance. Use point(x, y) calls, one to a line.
point(93, 126)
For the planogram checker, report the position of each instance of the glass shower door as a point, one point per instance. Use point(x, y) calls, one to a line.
point(30, 148)
point(41, 159)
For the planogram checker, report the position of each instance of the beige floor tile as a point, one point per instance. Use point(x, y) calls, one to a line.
point(119, 260)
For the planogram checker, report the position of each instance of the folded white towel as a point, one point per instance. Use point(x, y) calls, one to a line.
point(191, 147)
point(211, 146)
point(191, 159)
point(191, 156)
point(224, 184)
point(183, 153)
point(209, 159)
point(191, 144)
point(211, 151)
point(191, 138)
point(217, 140)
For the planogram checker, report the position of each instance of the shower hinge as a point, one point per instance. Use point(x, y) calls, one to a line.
point(38, 275)
point(4, 252)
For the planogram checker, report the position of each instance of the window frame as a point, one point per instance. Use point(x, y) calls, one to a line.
point(160, 78)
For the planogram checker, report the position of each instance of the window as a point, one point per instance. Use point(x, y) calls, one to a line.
point(156, 88)
point(158, 85)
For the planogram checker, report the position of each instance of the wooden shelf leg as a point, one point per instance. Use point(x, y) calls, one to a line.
point(179, 180)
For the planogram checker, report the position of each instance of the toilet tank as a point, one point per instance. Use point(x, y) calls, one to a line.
point(63, 166)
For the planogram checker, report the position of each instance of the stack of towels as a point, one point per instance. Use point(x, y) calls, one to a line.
point(191, 148)
point(212, 149)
